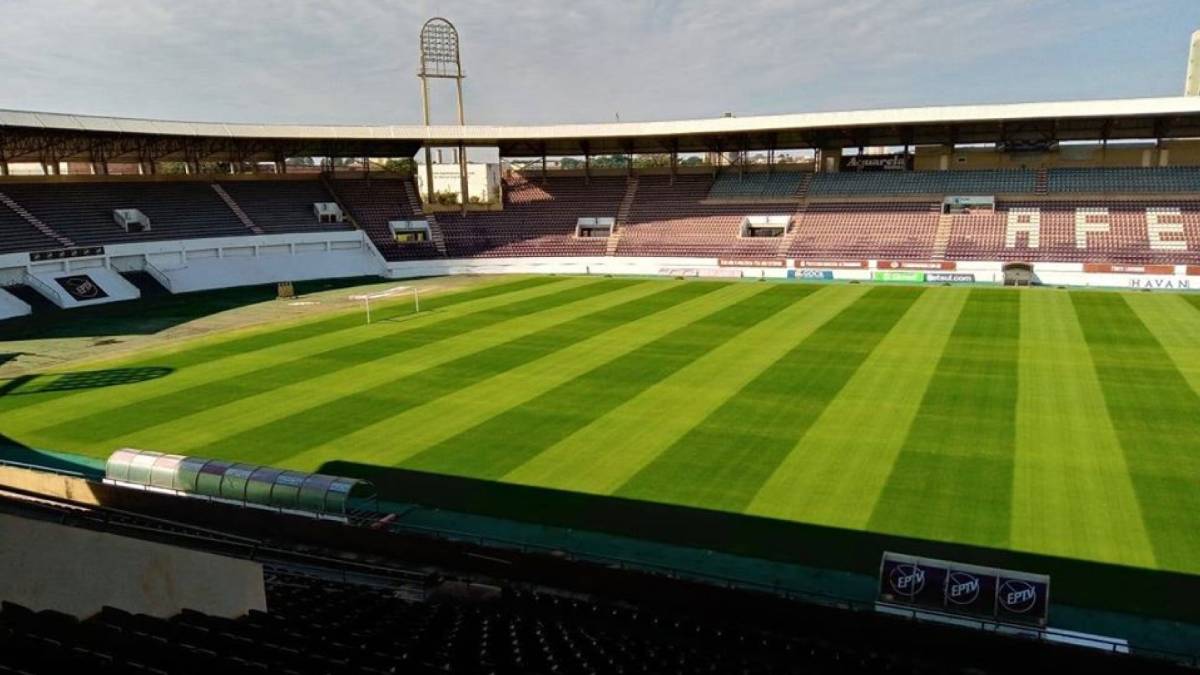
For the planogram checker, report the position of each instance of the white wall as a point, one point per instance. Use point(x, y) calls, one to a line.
point(11, 306)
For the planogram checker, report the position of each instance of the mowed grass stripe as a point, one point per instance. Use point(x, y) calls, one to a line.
point(952, 480)
point(722, 462)
point(435, 421)
point(216, 423)
point(45, 387)
point(1072, 495)
point(1157, 419)
point(296, 433)
point(245, 364)
point(601, 456)
point(842, 462)
point(504, 442)
point(1175, 322)
point(108, 424)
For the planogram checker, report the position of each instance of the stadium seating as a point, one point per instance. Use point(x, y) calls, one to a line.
point(982, 236)
point(282, 206)
point(16, 234)
point(1125, 179)
point(869, 183)
point(866, 230)
point(780, 184)
point(83, 211)
point(538, 219)
point(673, 220)
point(373, 204)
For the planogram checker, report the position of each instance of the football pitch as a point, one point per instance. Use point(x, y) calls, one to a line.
point(1039, 420)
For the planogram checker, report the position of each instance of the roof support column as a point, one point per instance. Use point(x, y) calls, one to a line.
point(428, 169)
point(464, 195)
point(543, 163)
point(587, 163)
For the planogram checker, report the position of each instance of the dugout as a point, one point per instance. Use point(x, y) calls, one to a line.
point(246, 484)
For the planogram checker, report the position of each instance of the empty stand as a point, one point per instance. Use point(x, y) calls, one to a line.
point(672, 219)
point(83, 211)
point(866, 230)
point(1125, 179)
point(734, 185)
point(375, 202)
point(18, 234)
point(282, 206)
point(538, 219)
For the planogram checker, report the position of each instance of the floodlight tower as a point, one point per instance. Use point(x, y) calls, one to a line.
point(440, 60)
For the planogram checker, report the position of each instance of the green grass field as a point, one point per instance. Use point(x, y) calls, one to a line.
point(1039, 420)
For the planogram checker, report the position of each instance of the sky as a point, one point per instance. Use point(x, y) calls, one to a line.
point(547, 61)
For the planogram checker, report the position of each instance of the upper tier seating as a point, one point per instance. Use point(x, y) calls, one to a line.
point(731, 185)
point(84, 211)
point(17, 235)
point(1125, 179)
point(883, 183)
point(374, 203)
point(282, 206)
point(861, 231)
point(538, 219)
point(673, 220)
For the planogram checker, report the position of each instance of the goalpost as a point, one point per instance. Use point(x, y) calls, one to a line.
point(389, 293)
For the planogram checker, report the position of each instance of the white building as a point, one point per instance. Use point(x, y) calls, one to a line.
point(483, 181)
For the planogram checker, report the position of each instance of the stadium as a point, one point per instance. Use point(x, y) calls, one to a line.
point(835, 392)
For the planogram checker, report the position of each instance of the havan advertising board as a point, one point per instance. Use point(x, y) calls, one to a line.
point(983, 592)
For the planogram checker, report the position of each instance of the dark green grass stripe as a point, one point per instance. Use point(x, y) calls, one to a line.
point(108, 424)
point(724, 461)
point(953, 477)
point(504, 442)
point(1193, 299)
point(301, 431)
point(40, 388)
point(1156, 415)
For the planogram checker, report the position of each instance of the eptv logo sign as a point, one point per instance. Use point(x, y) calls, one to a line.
point(907, 579)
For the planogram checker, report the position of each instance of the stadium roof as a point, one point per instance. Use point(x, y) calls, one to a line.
point(30, 136)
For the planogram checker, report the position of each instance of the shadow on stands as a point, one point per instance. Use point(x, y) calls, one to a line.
point(24, 385)
point(1148, 592)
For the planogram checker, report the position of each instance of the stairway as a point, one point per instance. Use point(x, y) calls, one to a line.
point(237, 210)
point(789, 237)
point(35, 221)
point(1041, 182)
point(941, 237)
point(802, 189)
point(623, 210)
point(435, 230)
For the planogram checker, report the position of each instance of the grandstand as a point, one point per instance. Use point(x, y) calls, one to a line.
point(598, 448)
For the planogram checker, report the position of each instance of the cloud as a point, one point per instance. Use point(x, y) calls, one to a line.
point(585, 60)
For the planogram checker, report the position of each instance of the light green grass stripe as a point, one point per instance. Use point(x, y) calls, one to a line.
point(1156, 415)
point(724, 461)
point(426, 425)
point(492, 449)
point(1072, 495)
point(1175, 322)
point(228, 363)
point(952, 480)
point(601, 456)
point(835, 472)
point(212, 425)
point(63, 382)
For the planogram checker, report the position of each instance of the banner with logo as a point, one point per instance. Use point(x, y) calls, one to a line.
point(61, 253)
point(751, 262)
point(983, 592)
point(950, 277)
point(81, 287)
point(823, 275)
point(911, 277)
point(897, 161)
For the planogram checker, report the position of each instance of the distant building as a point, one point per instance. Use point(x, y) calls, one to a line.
point(483, 181)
